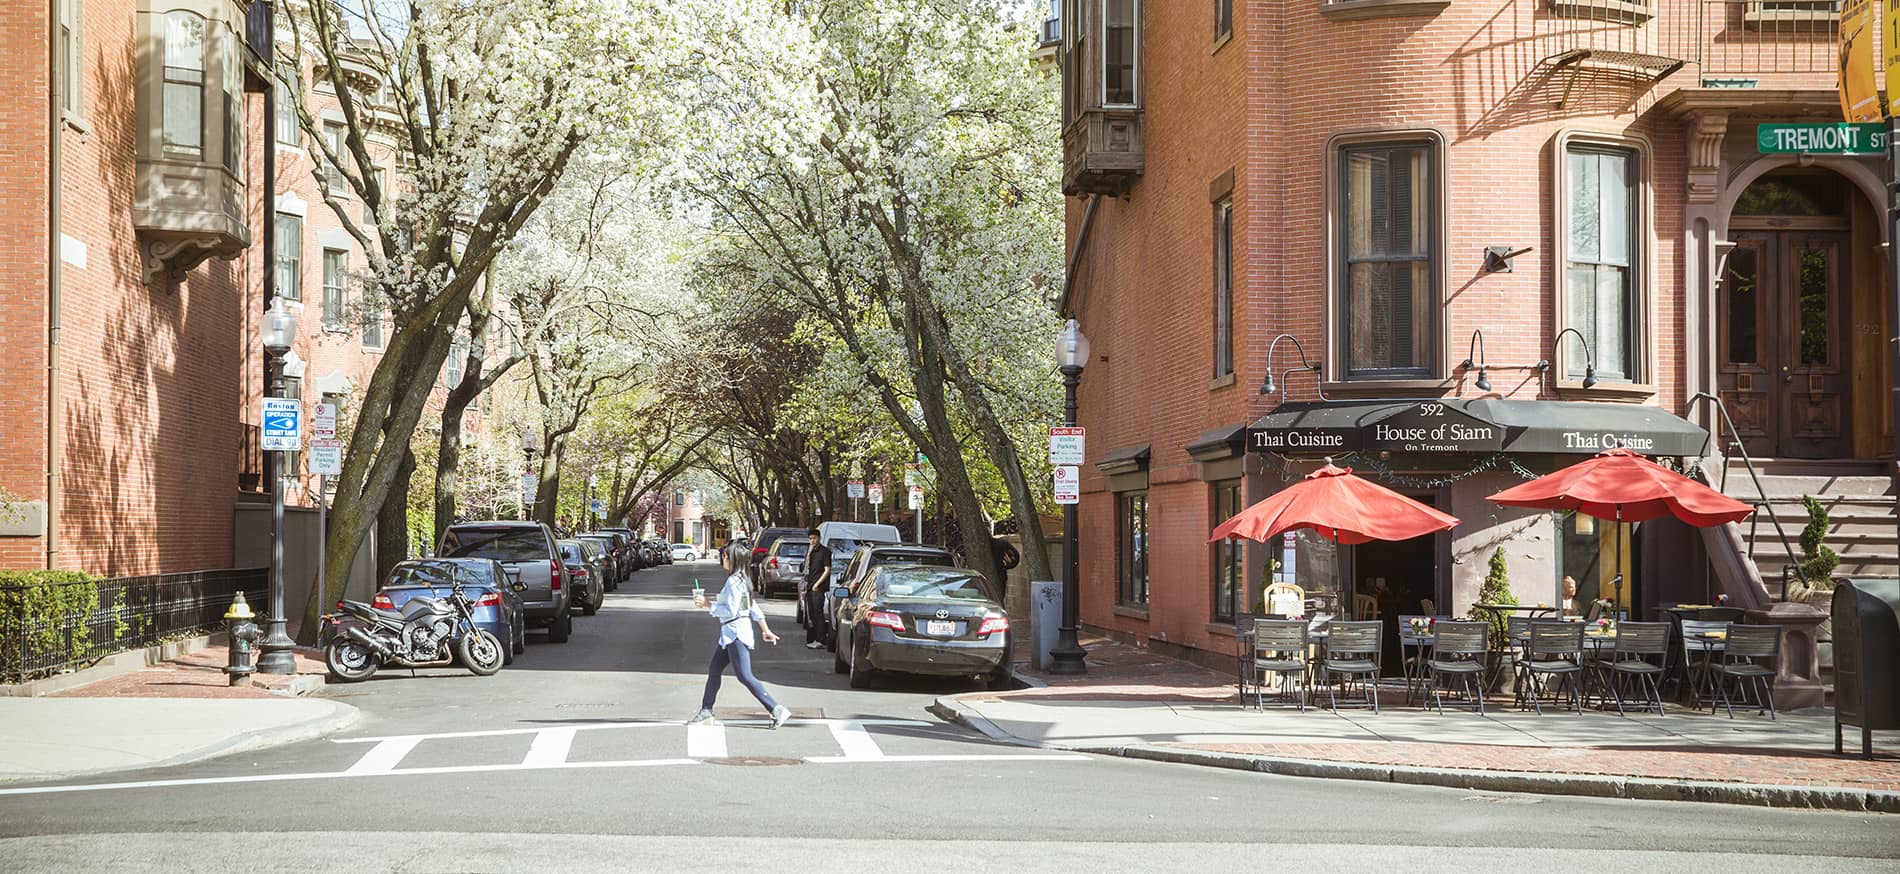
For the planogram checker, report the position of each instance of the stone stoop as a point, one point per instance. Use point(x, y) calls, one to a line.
point(1860, 499)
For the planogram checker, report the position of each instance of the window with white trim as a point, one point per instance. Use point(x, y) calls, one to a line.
point(1601, 249)
point(183, 125)
point(335, 289)
point(289, 256)
point(1388, 299)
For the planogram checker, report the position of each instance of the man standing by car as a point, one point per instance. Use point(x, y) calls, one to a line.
point(815, 594)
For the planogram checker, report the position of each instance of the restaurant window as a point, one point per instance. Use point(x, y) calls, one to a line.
point(1601, 253)
point(289, 82)
point(289, 256)
point(1230, 581)
point(1121, 42)
point(335, 288)
point(1388, 242)
point(184, 118)
point(1224, 287)
point(1131, 548)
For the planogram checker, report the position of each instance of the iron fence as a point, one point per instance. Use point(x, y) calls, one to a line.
point(131, 613)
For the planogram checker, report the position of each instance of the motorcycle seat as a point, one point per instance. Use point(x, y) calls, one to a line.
point(359, 607)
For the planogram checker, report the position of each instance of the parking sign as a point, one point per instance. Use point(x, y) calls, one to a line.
point(326, 457)
point(282, 418)
point(855, 489)
point(1068, 484)
point(916, 497)
point(876, 491)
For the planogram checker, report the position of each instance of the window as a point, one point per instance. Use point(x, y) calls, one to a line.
point(1600, 246)
point(290, 256)
point(184, 120)
point(289, 83)
point(236, 120)
point(71, 57)
point(1230, 579)
point(372, 320)
point(1121, 23)
point(1388, 241)
point(1131, 548)
point(1224, 287)
point(335, 273)
point(458, 353)
point(334, 182)
point(1223, 18)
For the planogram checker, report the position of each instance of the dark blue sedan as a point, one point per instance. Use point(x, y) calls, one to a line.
point(497, 605)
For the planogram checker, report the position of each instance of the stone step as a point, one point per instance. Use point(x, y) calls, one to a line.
point(1856, 564)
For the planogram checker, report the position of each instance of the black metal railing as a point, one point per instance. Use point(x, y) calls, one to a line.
point(131, 613)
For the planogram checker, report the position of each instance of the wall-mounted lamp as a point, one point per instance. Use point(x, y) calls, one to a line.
point(1589, 360)
point(1477, 342)
point(1269, 386)
point(1497, 259)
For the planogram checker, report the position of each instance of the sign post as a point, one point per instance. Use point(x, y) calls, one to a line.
point(1891, 10)
point(916, 505)
point(875, 493)
point(854, 489)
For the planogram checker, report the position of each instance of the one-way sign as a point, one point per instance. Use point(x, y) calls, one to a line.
point(282, 419)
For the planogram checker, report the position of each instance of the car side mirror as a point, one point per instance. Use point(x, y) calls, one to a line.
point(520, 586)
point(840, 592)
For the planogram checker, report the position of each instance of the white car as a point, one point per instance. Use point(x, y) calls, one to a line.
point(685, 552)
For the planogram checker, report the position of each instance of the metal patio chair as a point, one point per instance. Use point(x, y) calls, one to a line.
point(1752, 653)
point(1555, 651)
point(1279, 651)
point(1352, 651)
point(1637, 643)
point(1459, 649)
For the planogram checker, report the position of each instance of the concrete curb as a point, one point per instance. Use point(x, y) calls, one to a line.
point(338, 716)
point(1584, 785)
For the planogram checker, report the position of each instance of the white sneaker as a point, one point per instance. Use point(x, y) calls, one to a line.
point(779, 715)
point(814, 645)
point(704, 715)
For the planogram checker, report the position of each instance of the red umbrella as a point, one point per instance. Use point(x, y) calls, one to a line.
point(1622, 485)
point(1343, 507)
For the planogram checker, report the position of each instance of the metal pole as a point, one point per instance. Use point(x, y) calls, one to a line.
point(1068, 657)
point(323, 523)
point(919, 513)
point(277, 655)
point(1893, 280)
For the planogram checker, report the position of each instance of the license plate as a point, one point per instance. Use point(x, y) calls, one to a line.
point(940, 628)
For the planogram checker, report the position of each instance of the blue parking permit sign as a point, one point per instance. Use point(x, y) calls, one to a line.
point(282, 418)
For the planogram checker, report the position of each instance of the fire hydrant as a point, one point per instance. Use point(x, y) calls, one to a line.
point(244, 637)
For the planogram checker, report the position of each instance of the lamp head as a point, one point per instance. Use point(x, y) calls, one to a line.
point(1072, 347)
point(279, 328)
point(1267, 388)
point(528, 443)
point(1484, 382)
point(1589, 375)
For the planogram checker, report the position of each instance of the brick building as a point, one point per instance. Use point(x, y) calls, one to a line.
point(1466, 244)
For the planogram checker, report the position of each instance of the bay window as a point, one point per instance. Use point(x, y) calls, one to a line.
point(184, 121)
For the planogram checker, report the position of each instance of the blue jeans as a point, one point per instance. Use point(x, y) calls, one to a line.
point(740, 657)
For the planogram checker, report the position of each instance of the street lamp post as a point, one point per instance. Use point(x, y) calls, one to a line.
point(278, 656)
point(1072, 354)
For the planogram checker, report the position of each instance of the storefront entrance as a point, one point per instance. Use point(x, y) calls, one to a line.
point(1783, 318)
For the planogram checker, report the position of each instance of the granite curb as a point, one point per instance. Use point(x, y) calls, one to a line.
point(951, 710)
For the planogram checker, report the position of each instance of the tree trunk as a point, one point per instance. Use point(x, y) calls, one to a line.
point(392, 521)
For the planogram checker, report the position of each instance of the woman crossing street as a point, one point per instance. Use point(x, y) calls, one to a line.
point(736, 612)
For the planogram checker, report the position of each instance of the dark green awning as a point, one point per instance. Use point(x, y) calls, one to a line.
point(1475, 425)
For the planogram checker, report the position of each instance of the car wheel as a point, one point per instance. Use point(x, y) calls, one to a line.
point(560, 628)
point(838, 665)
point(592, 606)
point(860, 672)
point(1000, 680)
point(521, 639)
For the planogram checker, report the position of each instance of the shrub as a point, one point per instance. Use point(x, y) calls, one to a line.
point(1817, 561)
point(1497, 590)
point(37, 614)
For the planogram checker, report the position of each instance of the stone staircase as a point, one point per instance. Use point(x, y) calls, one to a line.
point(1860, 499)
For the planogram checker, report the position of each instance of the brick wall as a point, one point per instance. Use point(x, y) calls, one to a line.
point(23, 249)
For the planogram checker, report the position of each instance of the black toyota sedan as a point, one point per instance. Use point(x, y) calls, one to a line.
point(929, 621)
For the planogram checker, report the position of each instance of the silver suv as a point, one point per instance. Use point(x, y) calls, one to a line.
point(526, 552)
point(784, 566)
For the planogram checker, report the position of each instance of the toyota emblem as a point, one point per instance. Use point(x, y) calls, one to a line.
point(943, 614)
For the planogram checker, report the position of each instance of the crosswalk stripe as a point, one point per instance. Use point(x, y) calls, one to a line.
point(706, 741)
point(549, 748)
point(854, 740)
point(384, 756)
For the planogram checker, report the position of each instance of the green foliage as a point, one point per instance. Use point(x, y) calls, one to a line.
point(1817, 560)
point(42, 618)
point(1497, 590)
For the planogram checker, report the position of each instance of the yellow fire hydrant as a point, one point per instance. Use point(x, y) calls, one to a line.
point(244, 637)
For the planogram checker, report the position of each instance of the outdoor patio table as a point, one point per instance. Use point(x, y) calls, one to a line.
point(1534, 611)
point(1597, 641)
point(1414, 663)
point(1706, 642)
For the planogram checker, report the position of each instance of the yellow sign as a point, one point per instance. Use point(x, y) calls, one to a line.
point(1891, 15)
point(1860, 96)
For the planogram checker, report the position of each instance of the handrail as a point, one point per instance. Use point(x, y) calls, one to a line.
point(1728, 425)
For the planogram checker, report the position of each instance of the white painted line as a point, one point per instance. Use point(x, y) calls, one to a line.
point(549, 748)
point(498, 732)
point(333, 775)
point(951, 757)
point(384, 756)
point(706, 741)
point(855, 741)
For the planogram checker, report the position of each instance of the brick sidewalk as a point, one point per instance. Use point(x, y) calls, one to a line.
point(193, 675)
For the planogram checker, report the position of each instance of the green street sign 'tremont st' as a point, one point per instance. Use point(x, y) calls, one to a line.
point(1822, 139)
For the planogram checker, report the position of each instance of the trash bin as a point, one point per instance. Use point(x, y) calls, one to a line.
point(1045, 618)
point(1866, 659)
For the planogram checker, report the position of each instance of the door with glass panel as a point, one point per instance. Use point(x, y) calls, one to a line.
point(1782, 327)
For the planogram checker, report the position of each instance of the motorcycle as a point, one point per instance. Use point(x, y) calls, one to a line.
point(425, 632)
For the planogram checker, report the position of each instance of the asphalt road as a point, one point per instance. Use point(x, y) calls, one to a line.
point(575, 758)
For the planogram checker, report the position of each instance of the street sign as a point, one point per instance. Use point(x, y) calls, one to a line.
point(1821, 139)
point(1065, 445)
point(917, 497)
point(1068, 484)
point(282, 417)
point(596, 506)
point(529, 482)
point(913, 475)
point(326, 457)
point(876, 493)
point(854, 489)
point(323, 421)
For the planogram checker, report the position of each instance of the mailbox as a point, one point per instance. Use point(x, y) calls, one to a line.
point(1866, 659)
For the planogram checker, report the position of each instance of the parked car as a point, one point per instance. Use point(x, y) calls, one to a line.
point(685, 552)
point(844, 538)
point(927, 621)
point(762, 544)
point(662, 551)
point(784, 566)
point(526, 552)
point(865, 560)
point(498, 607)
point(612, 561)
point(628, 546)
point(585, 571)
